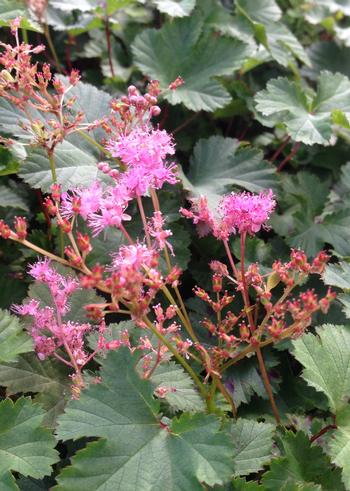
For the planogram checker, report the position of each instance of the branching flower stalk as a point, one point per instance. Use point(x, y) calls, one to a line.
point(134, 282)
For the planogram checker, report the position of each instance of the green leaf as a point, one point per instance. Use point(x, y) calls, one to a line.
point(339, 446)
point(175, 8)
point(25, 446)
point(10, 9)
point(240, 484)
point(302, 464)
point(49, 379)
point(67, 6)
point(253, 445)
point(75, 158)
point(9, 198)
point(13, 340)
point(305, 222)
point(134, 445)
point(307, 121)
point(328, 55)
point(326, 361)
point(182, 394)
point(338, 275)
point(196, 56)
point(8, 165)
point(264, 11)
point(243, 167)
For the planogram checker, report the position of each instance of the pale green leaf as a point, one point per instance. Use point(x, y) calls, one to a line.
point(134, 445)
point(48, 378)
point(338, 275)
point(253, 445)
point(175, 8)
point(182, 394)
point(306, 121)
point(339, 446)
point(264, 11)
point(219, 163)
point(196, 56)
point(13, 339)
point(25, 446)
point(325, 357)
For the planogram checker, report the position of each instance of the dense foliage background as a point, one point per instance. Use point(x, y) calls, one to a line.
point(265, 104)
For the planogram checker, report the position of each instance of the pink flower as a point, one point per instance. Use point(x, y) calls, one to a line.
point(142, 145)
point(134, 256)
point(144, 151)
point(246, 212)
point(111, 211)
point(83, 201)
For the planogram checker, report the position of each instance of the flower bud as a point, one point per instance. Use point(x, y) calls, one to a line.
point(244, 332)
point(217, 283)
point(64, 225)
point(21, 227)
point(5, 231)
point(83, 242)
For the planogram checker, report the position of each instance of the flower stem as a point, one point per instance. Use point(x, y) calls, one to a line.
point(144, 221)
point(252, 328)
point(93, 142)
point(52, 47)
point(178, 357)
point(54, 180)
point(109, 46)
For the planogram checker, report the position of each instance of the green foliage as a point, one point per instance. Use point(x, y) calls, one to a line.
point(264, 104)
point(307, 117)
point(194, 57)
point(326, 361)
point(25, 446)
point(219, 163)
point(47, 379)
point(189, 450)
point(301, 464)
point(253, 445)
point(182, 394)
point(13, 339)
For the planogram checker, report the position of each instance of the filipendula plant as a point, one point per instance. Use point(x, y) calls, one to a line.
point(245, 310)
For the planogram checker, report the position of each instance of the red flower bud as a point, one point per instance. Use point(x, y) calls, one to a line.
point(21, 227)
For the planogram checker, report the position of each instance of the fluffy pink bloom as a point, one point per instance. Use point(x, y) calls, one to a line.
point(61, 287)
point(246, 212)
point(84, 201)
point(111, 212)
point(142, 145)
point(49, 330)
point(133, 256)
point(237, 212)
point(144, 151)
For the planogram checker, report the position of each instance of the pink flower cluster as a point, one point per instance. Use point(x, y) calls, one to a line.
point(237, 212)
point(246, 212)
point(144, 152)
point(49, 329)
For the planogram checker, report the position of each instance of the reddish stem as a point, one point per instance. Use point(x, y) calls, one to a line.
point(280, 149)
point(109, 46)
point(185, 123)
point(323, 431)
point(289, 156)
point(45, 212)
point(252, 328)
